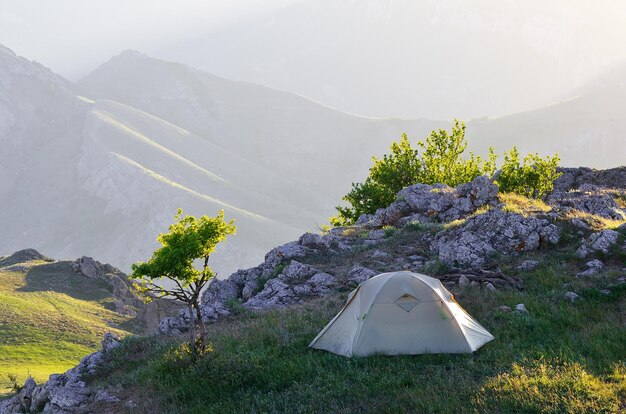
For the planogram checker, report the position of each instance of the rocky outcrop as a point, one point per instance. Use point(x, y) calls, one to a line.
point(64, 393)
point(423, 203)
point(493, 232)
point(589, 198)
point(23, 256)
point(126, 302)
point(573, 178)
point(600, 241)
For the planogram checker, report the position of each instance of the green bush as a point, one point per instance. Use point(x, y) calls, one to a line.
point(440, 159)
point(533, 177)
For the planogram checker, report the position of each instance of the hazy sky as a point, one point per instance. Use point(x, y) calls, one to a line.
point(71, 36)
point(389, 58)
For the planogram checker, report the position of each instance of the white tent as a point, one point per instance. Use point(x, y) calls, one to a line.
point(401, 313)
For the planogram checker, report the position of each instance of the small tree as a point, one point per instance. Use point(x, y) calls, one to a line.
point(189, 239)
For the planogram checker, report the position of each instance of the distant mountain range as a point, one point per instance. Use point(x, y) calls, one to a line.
point(99, 167)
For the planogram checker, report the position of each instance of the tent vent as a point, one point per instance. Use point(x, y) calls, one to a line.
point(407, 302)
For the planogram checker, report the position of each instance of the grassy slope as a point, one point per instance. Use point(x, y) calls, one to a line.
point(563, 357)
point(50, 318)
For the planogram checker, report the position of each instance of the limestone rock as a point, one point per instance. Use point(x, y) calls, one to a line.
point(358, 274)
point(571, 296)
point(528, 265)
point(593, 267)
point(491, 232)
point(521, 308)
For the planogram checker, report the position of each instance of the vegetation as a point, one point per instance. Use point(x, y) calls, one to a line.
point(532, 177)
point(441, 159)
point(50, 318)
point(188, 239)
point(562, 357)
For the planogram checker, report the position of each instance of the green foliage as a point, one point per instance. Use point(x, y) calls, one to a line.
point(189, 239)
point(532, 177)
point(441, 159)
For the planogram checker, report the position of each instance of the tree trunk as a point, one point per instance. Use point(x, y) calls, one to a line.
point(192, 330)
point(202, 327)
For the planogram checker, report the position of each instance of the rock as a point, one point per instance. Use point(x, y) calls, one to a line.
point(490, 287)
point(573, 178)
point(600, 241)
point(504, 308)
point(296, 272)
point(521, 308)
point(88, 267)
point(588, 199)
point(571, 296)
point(463, 281)
point(605, 292)
point(130, 404)
point(104, 396)
point(474, 284)
point(380, 255)
point(391, 215)
point(358, 274)
point(593, 267)
point(313, 241)
point(22, 256)
point(110, 342)
point(364, 219)
point(377, 234)
point(494, 231)
point(275, 293)
point(173, 326)
point(528, 265)
point(286, 252)
point(220, 291)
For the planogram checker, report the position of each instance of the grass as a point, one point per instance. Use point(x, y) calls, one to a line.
point(516, 203)
point(594, 221)
point(562, 357)
point(50, 318)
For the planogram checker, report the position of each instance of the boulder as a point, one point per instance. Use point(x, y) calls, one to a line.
point(220, 291)
point(593, 267)
point(528, 265)
point(521, 308)
point(601, 241)
point(358, 274)
point(571, 296)
point(494, 231)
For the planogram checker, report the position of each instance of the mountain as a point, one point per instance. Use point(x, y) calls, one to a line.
point(588, 129)
point(100, 168)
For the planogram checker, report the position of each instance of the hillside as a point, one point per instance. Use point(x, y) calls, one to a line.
point(546, 278)
point(54, 313)
point(101, 166)
point(100, 173)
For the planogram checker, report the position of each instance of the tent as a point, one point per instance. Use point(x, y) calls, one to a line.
point(401, 313)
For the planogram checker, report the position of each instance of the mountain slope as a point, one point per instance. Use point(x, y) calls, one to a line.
point(588, 129)
point(52, 315)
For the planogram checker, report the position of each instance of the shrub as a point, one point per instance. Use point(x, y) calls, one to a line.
point(533, 177)
point(440, 159)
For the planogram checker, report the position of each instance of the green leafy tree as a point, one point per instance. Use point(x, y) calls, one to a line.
point(532, 177)
point(171, 272)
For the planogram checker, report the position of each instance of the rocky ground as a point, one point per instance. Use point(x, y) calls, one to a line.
point(458, 234)
point(462, 235)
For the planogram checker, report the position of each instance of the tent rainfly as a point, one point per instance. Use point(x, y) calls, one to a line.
point(401, 313)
